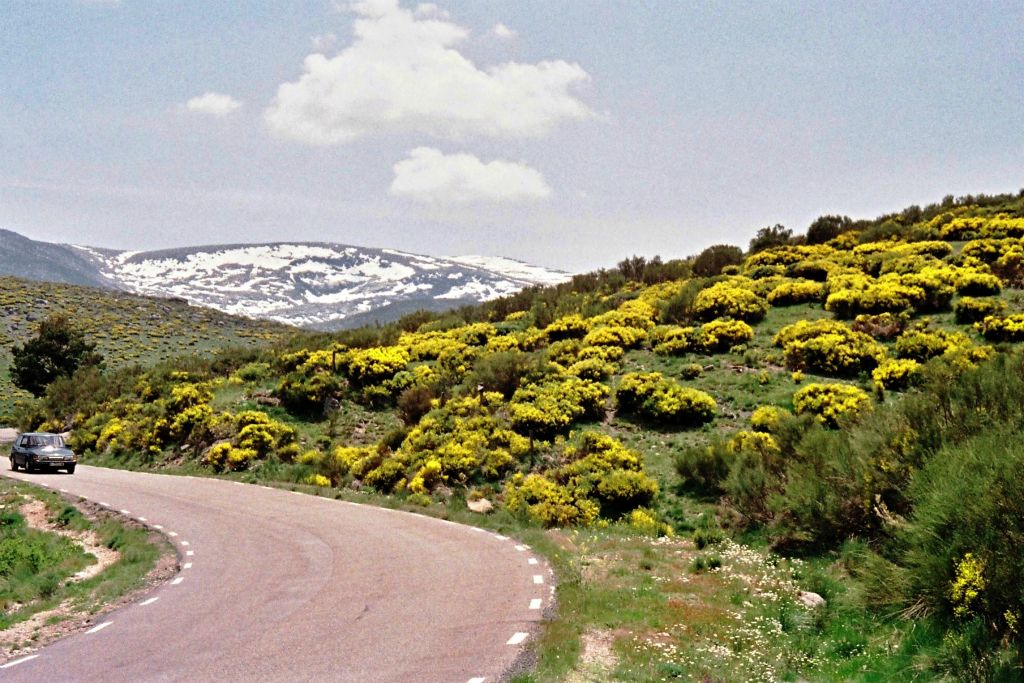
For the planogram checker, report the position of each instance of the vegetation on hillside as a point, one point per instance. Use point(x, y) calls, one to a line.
point(126, 329)
point(844, 399)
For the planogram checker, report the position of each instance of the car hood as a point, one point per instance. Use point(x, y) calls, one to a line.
point(50, 450)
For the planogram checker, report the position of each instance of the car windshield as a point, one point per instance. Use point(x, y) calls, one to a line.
point(44, 440)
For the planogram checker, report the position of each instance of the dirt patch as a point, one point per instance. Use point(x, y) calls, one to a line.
point(49, 625)
point(597, 658)
point(37, 517)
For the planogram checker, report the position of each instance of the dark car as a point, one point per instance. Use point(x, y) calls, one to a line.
point(42, 450)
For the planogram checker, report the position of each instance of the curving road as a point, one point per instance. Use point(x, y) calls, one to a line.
point(277, 586)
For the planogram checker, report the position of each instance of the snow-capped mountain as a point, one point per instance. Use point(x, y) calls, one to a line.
point(321, 285)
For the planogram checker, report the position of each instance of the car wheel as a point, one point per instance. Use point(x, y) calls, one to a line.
point(27, 465)
point(71, 469)
point(14, 464)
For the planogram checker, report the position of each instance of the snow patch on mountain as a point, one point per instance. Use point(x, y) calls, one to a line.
point(318, 284)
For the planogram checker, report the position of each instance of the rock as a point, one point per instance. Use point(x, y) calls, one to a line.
point(483, 506)
point(811, 600)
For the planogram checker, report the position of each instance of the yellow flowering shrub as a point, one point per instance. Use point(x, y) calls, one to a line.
point(223, 457)
point(974, 282)
point(973, 227)
point(652, 396)
point(789, 254)
point(376, 364)
point(969, 310)
point(567, 327)
point(634, 313)
point(793, 292)
point(767, 418)
point(802, 330)
point(1009, 328)
point(615, 335)
point(475, 334)
point(832, 404)
point(967, 586)
point(758, 442)
point(547, 502)
point(896, 375)
point(989, 250)
point(837, 354)
point(318, 480)
point(674, 340)
point(503, 342)
point(730, 299)
point(542, 411)
point(920, 345)
point(464, 440)
point(722, 335)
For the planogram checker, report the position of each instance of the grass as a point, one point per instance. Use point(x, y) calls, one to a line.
point(37, 566)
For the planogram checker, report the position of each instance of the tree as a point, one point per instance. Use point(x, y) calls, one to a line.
point(770, 236)
point(712, 260)
point(57, 351)
point(825, 228)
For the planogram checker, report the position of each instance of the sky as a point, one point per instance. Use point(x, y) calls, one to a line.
point(565, 134)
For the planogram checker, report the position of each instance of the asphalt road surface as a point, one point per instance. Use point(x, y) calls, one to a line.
point(278, 586)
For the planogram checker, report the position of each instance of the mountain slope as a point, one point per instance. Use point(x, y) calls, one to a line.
point(32, 260)
point(319, 285)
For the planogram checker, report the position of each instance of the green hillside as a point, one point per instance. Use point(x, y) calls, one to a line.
point(127, 329)
point(793, 462)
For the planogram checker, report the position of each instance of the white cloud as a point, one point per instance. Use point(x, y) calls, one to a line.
point(430, 176)
point(213, 103)
point(403, 73)
point(323, 42)
point(502, 31)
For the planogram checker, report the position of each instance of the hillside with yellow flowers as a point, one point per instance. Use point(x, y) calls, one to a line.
point(793, 462)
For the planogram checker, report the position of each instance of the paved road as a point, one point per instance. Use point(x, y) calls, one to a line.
point(277, 586)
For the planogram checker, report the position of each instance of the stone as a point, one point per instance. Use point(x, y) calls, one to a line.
point(811, 600)
point(482, 506)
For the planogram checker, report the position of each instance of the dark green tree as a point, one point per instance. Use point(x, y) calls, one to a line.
point(825, 228)
point(712, 260)
point(57, 351)
point(770, 236)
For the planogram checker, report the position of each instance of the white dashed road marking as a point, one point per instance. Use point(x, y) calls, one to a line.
point(500, 537)
point(106, 505)
point(188, 565)
point(536, 603)
point(532, 560)
point(184, 542)
point(125, 512)
point(190, 553)
point(158, 526)
point(99, 627)
point(141, 519)
point(517, 638)
point(177, 580)
point(476, 680)
point(148, 602)
point(63, 490)
point(538, 578)
point(520, 548)
point(172, 533)
point(16, 662)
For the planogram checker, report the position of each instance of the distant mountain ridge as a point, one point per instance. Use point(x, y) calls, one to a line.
point(316, 284)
